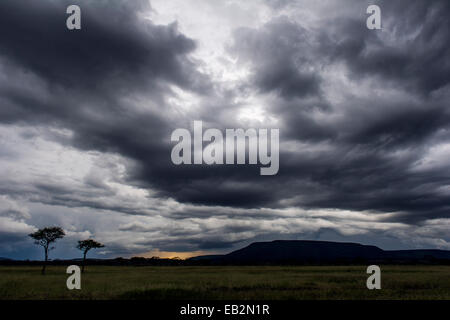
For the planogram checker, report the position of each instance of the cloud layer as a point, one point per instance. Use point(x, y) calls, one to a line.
point(86, 118)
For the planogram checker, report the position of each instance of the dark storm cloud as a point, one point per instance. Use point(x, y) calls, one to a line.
point(416, 59)
point(83, 74)
point(88, 80)
point(113, 47)
point(360, 169)
point(109, 84)
point(81, 78)
point(232, 186)
point(280, 56)
point(85, 82)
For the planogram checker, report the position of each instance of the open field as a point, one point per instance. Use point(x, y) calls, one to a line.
point(231, 282)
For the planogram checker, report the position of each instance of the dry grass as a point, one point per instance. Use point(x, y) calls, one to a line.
point(243, 283)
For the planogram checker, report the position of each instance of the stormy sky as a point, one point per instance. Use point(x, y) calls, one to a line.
point(86, 118)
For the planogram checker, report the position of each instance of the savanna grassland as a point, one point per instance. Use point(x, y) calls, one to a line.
point(227, 282)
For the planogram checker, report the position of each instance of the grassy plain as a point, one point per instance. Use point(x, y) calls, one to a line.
point(227, 282)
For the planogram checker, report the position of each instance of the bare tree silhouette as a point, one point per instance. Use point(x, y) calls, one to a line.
point(85, 246)
point(46, 236)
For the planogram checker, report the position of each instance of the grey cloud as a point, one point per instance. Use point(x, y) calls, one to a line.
point(12, 209)
point(281, 58)
point(115, 48)
point(414, 56)
point(360, 171)
point(360, 108)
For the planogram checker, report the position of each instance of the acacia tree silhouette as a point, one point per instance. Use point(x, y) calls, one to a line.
point(85, 246)
point(46, 236)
